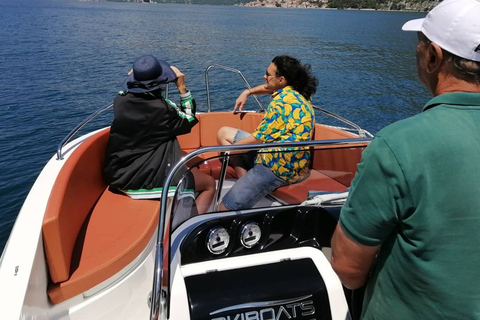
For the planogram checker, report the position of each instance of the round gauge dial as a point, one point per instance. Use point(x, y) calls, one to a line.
point(217, 240)
point(250, 234)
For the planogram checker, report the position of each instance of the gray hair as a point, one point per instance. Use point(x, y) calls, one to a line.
point(464, 69)
point(461, 68)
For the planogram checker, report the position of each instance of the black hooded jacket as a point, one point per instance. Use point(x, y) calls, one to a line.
point(142, 146)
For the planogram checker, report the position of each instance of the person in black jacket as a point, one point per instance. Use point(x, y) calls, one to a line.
point(143, 145)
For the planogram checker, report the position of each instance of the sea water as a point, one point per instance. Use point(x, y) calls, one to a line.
point(62, 60)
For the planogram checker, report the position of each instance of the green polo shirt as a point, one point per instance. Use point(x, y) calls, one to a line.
point(417, 193)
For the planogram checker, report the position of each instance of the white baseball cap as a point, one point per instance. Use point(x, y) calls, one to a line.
point(454, 25)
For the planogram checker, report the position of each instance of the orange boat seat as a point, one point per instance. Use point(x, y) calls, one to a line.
point(333, 169)
point(204, 135)
point(297, 193)
point(89, 232)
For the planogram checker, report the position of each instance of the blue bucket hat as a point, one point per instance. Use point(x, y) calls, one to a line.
point(149, 74)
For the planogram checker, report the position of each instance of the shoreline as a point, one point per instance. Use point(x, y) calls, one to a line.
point(320, 8)
point(297, 4)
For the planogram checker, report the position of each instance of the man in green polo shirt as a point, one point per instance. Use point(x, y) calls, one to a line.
point(410, 229)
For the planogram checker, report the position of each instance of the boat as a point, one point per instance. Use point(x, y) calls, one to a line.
point(79, 250)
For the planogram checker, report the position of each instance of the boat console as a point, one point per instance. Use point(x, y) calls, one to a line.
point(261, 264)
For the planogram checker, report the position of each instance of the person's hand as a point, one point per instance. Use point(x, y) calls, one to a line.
point(180, 80)
point(241, 101)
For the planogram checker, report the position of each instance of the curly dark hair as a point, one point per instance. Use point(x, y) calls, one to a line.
point(297, 75)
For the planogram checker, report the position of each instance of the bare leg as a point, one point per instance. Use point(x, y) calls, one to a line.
point(240, 171)
point(225, 135)
point(204, 184)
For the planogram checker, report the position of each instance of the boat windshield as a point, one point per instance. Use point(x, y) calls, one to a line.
point(324, 168)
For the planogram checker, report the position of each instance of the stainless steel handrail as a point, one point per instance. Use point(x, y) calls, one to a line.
point(223, 173)
point(159, 299)
point(77, 128)
point(362, 133)
point(84, 122)
point(207, 84)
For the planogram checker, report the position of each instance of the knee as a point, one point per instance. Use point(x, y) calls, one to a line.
point(203, 181)
point(225, 135)
point(210, 182)
point(221, 135)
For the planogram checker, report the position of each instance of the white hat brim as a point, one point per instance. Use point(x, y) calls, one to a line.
point(413, 25)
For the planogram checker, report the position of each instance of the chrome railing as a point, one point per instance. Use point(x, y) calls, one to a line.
point(85, 122)
point(159, 298)
point(362, 133)
point(207, 84)
point(78, 128)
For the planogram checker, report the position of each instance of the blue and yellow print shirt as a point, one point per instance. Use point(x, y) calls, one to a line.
point(289, 117)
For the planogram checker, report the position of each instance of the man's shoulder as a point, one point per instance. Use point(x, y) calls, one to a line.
point(421, 132)
point(394, 128)
point(414, 124)
point(290, 96)
point(435, 118)
point(286, 92)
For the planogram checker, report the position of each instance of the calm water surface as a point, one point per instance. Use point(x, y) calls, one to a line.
point(61, 60)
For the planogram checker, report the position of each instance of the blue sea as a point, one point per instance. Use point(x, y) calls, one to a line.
point(62, 60)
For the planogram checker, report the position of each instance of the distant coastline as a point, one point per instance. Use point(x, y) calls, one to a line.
point(394, 5)
point(380, 5)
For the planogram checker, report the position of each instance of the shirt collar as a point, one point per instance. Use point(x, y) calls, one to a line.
point(454, 98)
point(280, 90)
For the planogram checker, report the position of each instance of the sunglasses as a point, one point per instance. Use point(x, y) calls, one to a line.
point(269, 75)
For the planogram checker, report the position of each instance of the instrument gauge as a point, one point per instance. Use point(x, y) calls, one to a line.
point(218, 240)
point(250, 234)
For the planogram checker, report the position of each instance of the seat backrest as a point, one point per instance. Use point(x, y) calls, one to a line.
point(323, 132)
point(191, 140)
point(77, 188)
point(210, 123)
point(337, 162)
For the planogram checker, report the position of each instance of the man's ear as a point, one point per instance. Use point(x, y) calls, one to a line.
point(435, 58)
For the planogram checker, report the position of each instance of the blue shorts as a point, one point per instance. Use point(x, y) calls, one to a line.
point(240, 135)
point(250, 188)
point(246, 160)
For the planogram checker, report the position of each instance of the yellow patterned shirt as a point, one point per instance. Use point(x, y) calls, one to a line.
point(289, 117)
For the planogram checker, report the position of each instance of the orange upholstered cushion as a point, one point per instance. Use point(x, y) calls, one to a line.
point(75, 192)
point(89, 232)
point(317, 181)
point(191, 140)
point(118, 230)
point(210, 123)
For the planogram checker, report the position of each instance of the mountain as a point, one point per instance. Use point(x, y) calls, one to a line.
point(407, 5)
point(210, 2)
point(410, 5)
